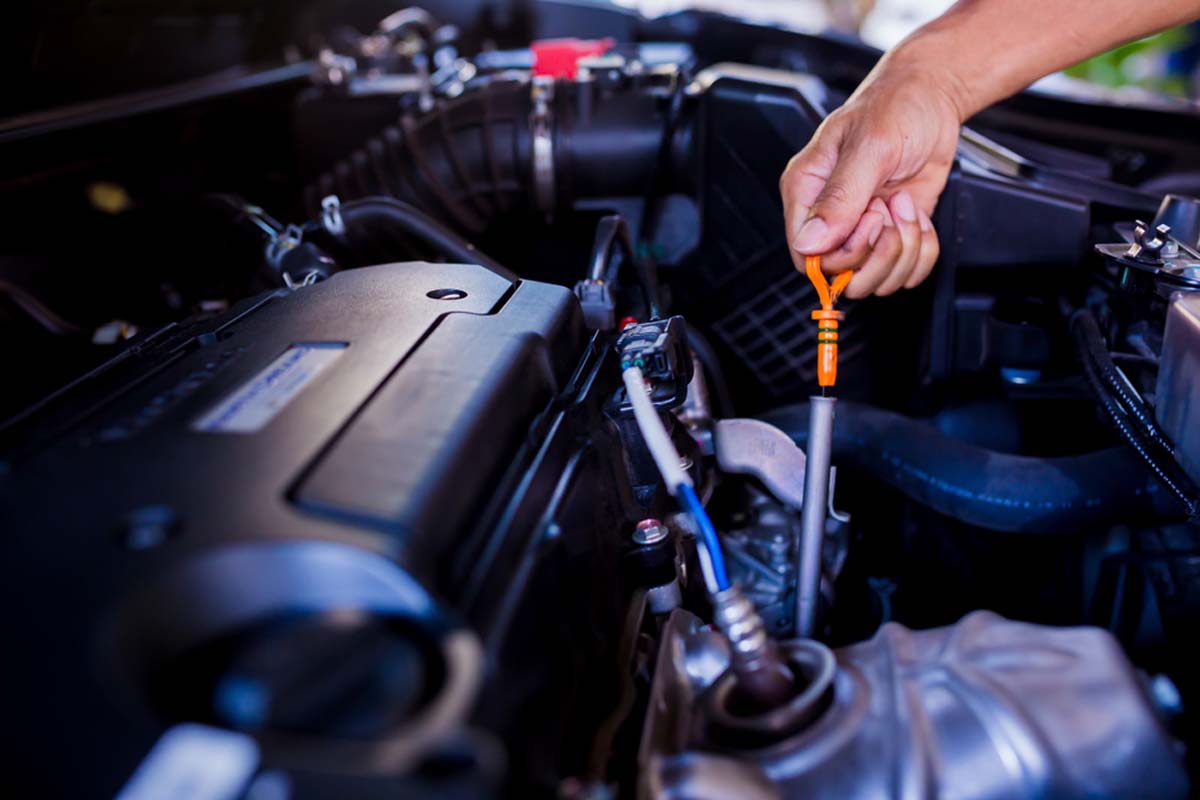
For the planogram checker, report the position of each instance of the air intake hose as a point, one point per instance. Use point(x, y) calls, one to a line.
point(985, 488)
point(474, 157)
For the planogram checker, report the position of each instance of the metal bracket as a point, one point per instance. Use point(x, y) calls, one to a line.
point(754, 447)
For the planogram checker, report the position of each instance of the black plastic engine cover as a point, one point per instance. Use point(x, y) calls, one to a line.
point(293, 418)
point(413, 429)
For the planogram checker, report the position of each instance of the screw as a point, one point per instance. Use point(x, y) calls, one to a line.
point(650, 531)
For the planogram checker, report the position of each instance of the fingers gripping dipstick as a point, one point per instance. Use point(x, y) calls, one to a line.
point(827, 319)
point(820, 447)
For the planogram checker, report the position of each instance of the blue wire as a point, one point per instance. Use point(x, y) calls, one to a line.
point(709, 533)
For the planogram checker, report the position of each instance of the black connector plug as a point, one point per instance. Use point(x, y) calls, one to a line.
point(660, 350)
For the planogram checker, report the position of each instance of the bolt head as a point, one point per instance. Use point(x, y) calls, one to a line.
point(650, 531)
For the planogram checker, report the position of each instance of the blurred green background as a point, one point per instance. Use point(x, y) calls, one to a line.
point(1163, 63)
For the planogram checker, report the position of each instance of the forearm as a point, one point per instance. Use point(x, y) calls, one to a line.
point(981, 51)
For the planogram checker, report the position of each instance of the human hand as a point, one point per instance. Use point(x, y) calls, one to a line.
point(861, 193)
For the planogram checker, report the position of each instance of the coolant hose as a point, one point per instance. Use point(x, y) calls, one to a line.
point(362, 217)
point(985, 488)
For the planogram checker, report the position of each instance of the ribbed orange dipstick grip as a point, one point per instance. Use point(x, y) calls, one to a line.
point(827, 319)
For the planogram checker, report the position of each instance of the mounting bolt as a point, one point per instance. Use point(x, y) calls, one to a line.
point(650, 531)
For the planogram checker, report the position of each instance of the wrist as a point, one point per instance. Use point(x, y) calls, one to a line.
point(930, 60)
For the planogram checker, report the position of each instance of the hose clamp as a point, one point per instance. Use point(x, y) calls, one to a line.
point(331, 215)
point(541, 125)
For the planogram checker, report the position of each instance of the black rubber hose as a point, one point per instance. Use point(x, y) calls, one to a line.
point(985, 488)
point(471, 158)
point(364, 217)
point(1129, 413)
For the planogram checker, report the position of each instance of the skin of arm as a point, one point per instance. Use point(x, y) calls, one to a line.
point(861, 192)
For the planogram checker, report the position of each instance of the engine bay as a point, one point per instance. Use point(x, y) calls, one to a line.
point(438, 412)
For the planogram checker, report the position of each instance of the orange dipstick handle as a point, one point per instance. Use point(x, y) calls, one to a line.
point(827, 319)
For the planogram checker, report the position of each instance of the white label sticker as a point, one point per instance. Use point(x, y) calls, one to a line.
point(255, 403)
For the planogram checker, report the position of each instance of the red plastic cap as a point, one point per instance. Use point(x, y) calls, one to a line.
point(559, 58)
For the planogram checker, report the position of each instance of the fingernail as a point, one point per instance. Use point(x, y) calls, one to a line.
point(811, 238)
point(876, 230)
point(904, 207)
point(881, 208)
point(926, 225)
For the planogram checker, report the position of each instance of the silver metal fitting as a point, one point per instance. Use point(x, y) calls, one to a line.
point(664, 599)
point(754, 657)
point(736, 617)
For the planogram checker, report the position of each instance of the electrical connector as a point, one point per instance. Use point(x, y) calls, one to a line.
point(659, 350)
point(598, 302)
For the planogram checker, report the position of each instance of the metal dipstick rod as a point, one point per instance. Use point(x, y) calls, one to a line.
point(820, 450)
point(812, 516)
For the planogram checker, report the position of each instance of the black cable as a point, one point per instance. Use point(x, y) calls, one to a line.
point(611, 232)
point(1129, 413)
point(38, 311)
point(244, 211)
point(652, 205)
point(362, 217)
point(1094, 350)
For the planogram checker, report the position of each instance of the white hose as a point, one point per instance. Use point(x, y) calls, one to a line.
point(666, 458)
point(658, 441)
point(706, 569)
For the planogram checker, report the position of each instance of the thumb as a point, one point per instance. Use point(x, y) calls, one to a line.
point(838, 208)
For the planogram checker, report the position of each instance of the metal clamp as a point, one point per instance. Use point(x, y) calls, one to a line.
point(309, 279)
point(331, 215)
point(541, 125)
